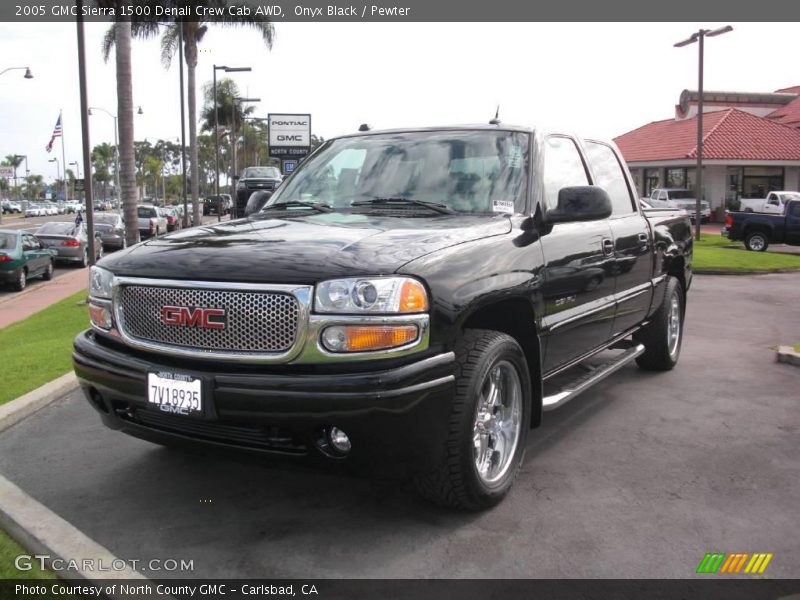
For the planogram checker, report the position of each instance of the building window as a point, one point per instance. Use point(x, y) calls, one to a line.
point(652, 180)
point(757, 182)
point(676, 178)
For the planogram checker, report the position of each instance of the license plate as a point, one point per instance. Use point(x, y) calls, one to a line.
point(174, 393)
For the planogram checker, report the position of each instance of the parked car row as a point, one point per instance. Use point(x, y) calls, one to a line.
point(9, 206)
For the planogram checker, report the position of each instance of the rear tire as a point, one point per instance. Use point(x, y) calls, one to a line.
point(488, 426)
point(85, 259)
point(662, 337)
point(48, 272)
point(756, 241)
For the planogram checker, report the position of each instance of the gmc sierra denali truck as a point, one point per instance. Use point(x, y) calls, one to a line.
point(417, 296)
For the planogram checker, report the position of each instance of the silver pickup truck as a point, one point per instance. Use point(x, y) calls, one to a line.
point(152, 221)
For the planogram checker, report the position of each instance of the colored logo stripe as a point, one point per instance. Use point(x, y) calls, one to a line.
point(758, 563)
point(720, 562)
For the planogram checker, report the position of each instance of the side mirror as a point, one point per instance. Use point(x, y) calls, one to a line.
point(256, 202)
point(580, 203)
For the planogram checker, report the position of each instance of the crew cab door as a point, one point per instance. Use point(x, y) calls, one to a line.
point(773, 204)
point(632, 262)
point(792, 227)
point(578, 287)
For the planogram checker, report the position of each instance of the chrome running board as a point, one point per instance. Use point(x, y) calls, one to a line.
point(576, 386)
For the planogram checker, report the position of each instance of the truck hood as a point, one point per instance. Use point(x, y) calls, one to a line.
point(300, 249)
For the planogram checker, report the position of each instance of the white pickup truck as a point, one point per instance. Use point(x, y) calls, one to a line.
point(774, 203)
point(680, 198)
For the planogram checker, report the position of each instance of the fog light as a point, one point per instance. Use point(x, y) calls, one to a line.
point(100, 315)
point(339, 440)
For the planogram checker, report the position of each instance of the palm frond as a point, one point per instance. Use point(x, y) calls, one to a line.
point(108, 43)
point(169, 43)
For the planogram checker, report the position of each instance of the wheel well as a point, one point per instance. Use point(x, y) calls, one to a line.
point(511, 317)
point(677, 270)
point(756, 229)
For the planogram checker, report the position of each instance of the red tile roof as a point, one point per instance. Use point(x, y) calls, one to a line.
point(789, 114)
point(728, 135)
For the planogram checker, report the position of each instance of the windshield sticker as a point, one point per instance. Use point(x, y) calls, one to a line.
point(503, 206)
point(514, 158)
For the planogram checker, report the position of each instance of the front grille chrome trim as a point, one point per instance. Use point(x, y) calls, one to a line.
point(301, 293)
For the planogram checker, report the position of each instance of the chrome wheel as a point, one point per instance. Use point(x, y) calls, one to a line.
point(757, 243)
point(674, 325)
point(22, 281)
point(498, 422)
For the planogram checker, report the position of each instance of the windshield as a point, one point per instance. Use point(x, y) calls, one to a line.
point(787, 196)
point(466, 171)
point(105, 218)
point(60, 228)
point(266, 172)
point(8, 241)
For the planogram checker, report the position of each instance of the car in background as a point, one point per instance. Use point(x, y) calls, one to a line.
point(173, 218)
point(70, 241)
point(51, 209)
point(759, 230)
point(35, 210)
point(775, 203)
point(152, 221)
point(104, 205)
point(22, 256)
point(217, 205)
point(255, 179)
point(9, 206)
point(111, 228)
point(680, 198)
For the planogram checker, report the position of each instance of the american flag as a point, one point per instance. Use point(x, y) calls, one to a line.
point(56, 133)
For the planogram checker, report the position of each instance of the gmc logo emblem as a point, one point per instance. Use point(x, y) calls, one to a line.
point(210, 318)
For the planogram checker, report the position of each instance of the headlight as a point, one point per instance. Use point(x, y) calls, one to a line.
point(100, 283)
point(371, 295)
point(241, 185)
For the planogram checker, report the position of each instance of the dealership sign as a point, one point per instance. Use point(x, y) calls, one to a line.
point(289, 135)
point(7, 172)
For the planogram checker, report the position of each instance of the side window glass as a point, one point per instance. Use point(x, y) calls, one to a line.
point(609, 175)
point(563, 167)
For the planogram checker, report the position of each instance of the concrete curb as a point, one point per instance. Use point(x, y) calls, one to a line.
point(24, 406)
point(736, 273)
point(43, 532)
point(786, 354)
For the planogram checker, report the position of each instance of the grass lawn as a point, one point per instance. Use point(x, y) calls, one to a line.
point(796, 347)
point(716, 253)
point(9, 550)
point(39, 349)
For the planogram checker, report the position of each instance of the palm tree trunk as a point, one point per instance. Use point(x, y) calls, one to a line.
point(127, 163)
point(190, 52)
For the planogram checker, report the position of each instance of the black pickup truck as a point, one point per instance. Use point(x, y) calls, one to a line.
point(414, 298)
point(759, 230)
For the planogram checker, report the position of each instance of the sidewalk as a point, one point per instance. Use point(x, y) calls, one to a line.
point(22, 305)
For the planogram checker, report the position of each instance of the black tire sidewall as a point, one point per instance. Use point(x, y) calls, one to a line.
point(750, 238)
point(503, 347)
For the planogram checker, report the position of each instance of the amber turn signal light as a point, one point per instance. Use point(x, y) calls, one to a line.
point(363, 338)
point(413, 297)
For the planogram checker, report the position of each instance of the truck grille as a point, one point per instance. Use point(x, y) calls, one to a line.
point(255, 321)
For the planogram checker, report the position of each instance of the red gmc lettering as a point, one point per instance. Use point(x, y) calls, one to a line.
point(211, 318)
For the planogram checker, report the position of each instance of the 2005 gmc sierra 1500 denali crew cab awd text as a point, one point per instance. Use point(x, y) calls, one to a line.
point(415, 296)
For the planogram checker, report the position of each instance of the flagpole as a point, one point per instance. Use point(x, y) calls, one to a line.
point(63, 155)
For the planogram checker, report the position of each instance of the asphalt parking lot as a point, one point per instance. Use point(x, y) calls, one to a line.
point(639, 477)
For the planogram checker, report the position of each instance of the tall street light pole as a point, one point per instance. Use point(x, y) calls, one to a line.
point(216, 117)
point(58, 167)
point(234, 143)
point(699, 37)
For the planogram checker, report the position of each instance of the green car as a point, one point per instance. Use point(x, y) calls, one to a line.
point(22, 256)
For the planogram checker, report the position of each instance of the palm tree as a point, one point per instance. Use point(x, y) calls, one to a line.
point(102, 159)
point(192, 33)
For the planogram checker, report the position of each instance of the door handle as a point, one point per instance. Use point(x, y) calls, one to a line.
point(643, 239)
point(608, 246)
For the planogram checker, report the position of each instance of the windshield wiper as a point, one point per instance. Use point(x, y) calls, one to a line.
point(435, 206)
point(324, 208)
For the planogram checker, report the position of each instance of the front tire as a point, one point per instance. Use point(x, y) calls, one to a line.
point(488, 426)
point(663, 336)
point(756, 241)
point(22, 281)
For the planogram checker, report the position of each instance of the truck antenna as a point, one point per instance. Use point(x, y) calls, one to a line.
point(496, 120)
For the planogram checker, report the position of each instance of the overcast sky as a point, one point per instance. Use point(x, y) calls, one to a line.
point(598, 79)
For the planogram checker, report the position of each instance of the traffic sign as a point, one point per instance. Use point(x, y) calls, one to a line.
point(79, 185)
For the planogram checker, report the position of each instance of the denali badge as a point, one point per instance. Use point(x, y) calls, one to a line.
point(210, 318)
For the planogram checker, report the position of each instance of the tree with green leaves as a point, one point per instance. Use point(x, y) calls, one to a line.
point(102, 162)
point(192, 33)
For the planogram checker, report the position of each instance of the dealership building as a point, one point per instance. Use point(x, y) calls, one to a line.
point(751, 146)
